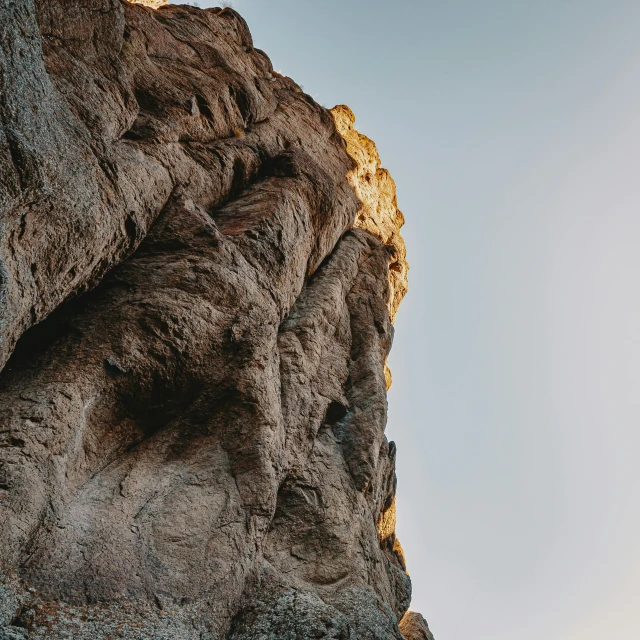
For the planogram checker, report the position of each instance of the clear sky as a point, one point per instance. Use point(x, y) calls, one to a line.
point(512, 129)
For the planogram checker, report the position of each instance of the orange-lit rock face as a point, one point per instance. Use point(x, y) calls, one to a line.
point(154, 4)
point(379, 214)
point(192, 438)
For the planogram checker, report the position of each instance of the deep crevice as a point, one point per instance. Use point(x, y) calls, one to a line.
point(204, 108)
point(241, 97)
point(335, 412)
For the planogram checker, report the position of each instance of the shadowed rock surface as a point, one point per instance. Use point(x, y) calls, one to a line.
point(199, 270)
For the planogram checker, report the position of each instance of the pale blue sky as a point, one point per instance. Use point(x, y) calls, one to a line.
point(512, 130)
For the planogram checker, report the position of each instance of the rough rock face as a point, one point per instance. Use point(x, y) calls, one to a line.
point(199, 269)
point(414, 627)
point(156, 4)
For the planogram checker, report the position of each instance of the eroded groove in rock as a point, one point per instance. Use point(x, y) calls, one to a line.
point(192, 439)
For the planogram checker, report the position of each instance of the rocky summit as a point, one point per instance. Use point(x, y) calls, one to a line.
point(199, 271)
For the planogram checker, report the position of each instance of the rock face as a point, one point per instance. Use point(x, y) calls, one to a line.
point(199, 269)
point(414, 627)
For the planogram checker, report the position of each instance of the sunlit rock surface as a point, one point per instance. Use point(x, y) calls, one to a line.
point(414, 627)
point(154, 4)
point(199, 269)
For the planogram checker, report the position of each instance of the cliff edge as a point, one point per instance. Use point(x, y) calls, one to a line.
point(199, 270)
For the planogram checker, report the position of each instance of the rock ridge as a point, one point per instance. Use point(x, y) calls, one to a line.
point(199, 272)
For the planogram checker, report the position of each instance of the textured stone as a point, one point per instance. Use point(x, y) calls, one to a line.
point(414, 627)
point(154, 4)
point(199, 270)
point(13, 633)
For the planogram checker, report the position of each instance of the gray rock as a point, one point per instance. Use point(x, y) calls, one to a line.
point(12, 633)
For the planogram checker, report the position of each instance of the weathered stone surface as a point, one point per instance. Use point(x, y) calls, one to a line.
point(155, 4)
point(414, 627)
point(192, 432)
